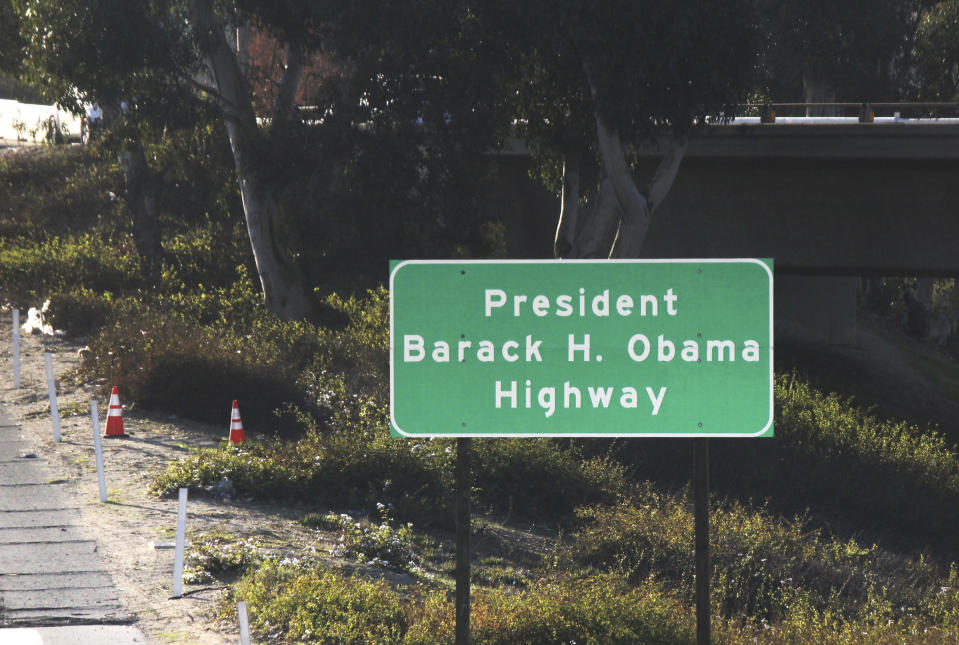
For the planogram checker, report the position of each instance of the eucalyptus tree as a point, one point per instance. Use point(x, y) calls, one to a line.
point(416, 75)
point(603, 79)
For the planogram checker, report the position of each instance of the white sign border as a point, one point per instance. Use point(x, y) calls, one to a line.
point(618, 435)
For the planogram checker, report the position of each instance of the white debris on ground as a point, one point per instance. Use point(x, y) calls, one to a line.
point(36, 322)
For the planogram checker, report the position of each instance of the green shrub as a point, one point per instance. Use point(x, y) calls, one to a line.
point(942, 605)
point(761, 564)
point(196, 259)
point(362, 469)
point(32, 270)
point(835, 429)
point(63, 189)
point(885, 473)
point(831, 457)
point(649, 536)
point(359, 353)
point(193, 353)
point(82, 311)
point(361, 466)
point(342, 470)
point(600, 610)
point(541, 477)
point(877, 621)
point(265, 470)
point(311, 605)
point(232, 308)
point(164, 361)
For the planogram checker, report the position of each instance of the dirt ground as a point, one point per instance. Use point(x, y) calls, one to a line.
point(135, 530)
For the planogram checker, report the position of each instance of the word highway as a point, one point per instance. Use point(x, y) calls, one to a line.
point(572, 396)
point(637, 347)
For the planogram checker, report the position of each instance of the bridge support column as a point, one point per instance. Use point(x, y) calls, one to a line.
point(816, 309)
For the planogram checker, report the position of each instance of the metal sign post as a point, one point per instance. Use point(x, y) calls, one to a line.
point(464, 486)
point(701, 521)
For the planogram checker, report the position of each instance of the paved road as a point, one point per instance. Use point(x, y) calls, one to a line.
point(50, 571)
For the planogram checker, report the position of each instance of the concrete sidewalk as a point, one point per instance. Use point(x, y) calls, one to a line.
point(50, 572)
point(82, 635)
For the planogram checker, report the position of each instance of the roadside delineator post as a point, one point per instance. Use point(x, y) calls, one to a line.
point(244, 621)
point(52, 395)
point(180, 545)
point(16, 349)
point(98, 451)
point(115, 416)
point(236, 425)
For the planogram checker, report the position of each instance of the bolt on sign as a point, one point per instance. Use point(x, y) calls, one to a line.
point(585, 348)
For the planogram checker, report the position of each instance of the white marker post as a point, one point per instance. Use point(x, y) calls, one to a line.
point(244, 623)
point(16, 349)
point(52, 394)
point(180, 543)
point(98, 449)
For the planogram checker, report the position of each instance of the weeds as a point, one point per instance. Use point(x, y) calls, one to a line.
point(213, 555)
point(314, 605)
point(382, 545)
point(764, 567)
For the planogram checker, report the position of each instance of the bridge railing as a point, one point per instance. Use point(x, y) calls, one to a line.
point(866, 111)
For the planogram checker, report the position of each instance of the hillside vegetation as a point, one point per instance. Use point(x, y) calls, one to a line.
point(839, 530)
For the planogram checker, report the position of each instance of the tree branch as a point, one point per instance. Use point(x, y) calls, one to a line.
point(569, 209)
point(285, 102)
point(613, 155)
point(203, 87)
point(233, 89)
point(633, 202)
point(600, 220)
point(666, 173)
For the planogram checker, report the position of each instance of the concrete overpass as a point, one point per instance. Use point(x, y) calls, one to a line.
point(829, 198)
point(820, 195)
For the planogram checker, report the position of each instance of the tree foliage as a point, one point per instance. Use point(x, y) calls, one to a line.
point(108, 51)
point(10, 43)
point(937, 51)
point(856, 50)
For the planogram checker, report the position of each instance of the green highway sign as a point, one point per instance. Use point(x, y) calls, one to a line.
point(588, 348)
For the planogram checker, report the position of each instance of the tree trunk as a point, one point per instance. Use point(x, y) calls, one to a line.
point(142, 188)
point(816, 91)
point(620, 198)
point(600, 220)
point(636, 207)
point(284, 289)
point(244, 39)
point(617, 218)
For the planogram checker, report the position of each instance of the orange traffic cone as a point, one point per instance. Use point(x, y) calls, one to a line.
point(236, 425)
point(114, 416)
